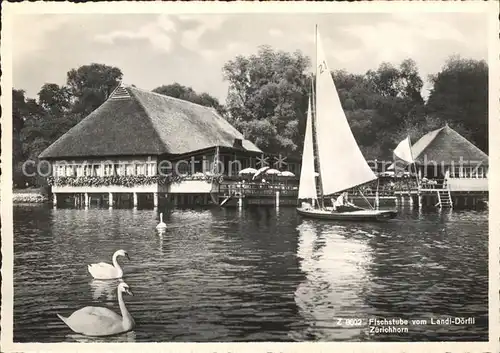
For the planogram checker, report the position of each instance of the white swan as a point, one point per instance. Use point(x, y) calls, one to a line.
point(161, 225)
point(97, 321)
point(103, 270)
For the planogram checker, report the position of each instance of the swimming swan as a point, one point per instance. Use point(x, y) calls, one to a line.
point(161, 225)
point(103, 270)
point(97, 321)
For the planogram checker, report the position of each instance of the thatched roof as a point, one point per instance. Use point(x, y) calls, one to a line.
point(136, 122)
point(445, 145)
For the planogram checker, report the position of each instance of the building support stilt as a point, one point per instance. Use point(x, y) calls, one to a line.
point(155, 200)
point(110, 200)
point(54, 199)
point(87, 199)
point(135, 199)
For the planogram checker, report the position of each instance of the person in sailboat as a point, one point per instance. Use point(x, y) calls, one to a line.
point(307, 206)
point(340, 201)
point(342, 204)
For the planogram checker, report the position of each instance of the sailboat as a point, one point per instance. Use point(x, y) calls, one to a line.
point(341, 164)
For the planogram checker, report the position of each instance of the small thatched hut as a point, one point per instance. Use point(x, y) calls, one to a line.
point(453, 172)
point(444, 153)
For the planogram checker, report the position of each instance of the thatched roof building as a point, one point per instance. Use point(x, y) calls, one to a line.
point(135, 122)
point(446, 146)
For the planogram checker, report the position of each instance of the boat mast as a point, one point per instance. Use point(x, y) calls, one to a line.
point(413, 163)
point(315, 139)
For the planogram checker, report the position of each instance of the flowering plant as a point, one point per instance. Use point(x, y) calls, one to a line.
point(127, 180)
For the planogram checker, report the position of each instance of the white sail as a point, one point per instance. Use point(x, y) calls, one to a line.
point(342, 165)
point(403, 151)
point(307, 186)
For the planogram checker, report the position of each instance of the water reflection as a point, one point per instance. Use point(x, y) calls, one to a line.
point(127, 337)
point(105, 288)
point(256, 274)
point(334, 262)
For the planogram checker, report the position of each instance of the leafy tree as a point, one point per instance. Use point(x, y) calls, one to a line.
point(381, 104)
point(177, 90)
point(37, 124)
point(267, 97)
point(54, 99)
point(23, 112)
point(460, 97)
point(90, 85)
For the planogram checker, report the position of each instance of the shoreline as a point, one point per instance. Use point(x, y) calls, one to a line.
point(27, 196)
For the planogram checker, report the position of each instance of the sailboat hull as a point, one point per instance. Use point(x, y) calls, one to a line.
point(358, 215)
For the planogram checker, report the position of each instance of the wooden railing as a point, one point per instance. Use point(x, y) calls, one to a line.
point(433, 184)
point(257, 189)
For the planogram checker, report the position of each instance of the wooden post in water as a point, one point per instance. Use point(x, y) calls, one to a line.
point(155, 200)
point(135, 199)
point(54, 199)
point(110, 200)
point(277, 199)
point(87, 199)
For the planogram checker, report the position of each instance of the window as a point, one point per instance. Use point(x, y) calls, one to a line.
point(198, 164)
point(474, 173)
point(151, 169)
point(70, 170)
point(140, 169)
point(182, 167)
point(129, 169)
point(164, 168)
point(60, 171)
point(108, 169)
point(87, 170)
point(234, 167)
point(120, 169)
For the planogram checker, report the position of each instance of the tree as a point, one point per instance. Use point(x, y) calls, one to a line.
point(179, 91)
point(267, 97)
point(403, 82)
point(18, 107)
point(54, 99)
point(24, 111)
point(381, 104)
point(91, 85)
point(460, 97)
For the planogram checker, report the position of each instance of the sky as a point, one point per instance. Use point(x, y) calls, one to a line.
point(154, 49)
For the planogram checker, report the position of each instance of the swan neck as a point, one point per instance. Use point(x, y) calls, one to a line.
point(115, 261)
point(126, 318)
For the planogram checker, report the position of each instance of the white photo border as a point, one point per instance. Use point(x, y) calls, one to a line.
point(129, 7)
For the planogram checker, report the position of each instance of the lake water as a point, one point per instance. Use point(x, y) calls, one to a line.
point(253, 275)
